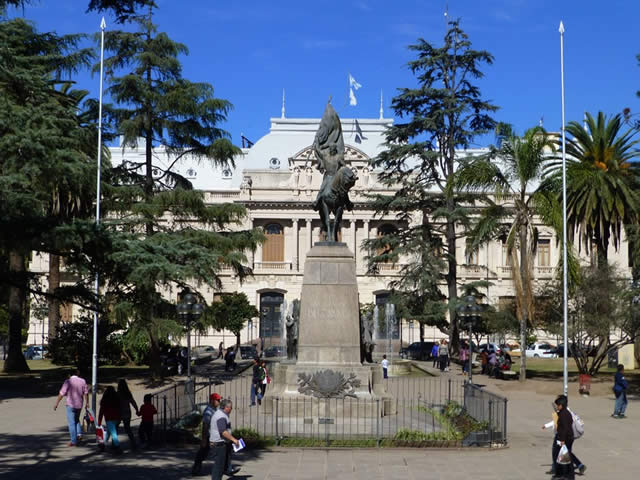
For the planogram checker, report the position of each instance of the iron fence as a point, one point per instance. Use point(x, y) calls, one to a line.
point(490, 410)
point(412, 409)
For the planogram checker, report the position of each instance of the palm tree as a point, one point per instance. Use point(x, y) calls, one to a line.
point(511, 173)
point(602, 181)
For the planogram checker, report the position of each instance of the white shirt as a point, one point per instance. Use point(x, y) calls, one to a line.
point(385, 363)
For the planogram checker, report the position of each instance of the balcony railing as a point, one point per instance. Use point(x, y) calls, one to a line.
point(473, 270)
point(544, 271)
point(505, 270)
point(272, 266)
point(389, 267)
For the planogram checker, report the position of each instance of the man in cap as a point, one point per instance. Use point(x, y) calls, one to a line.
point(203, 451)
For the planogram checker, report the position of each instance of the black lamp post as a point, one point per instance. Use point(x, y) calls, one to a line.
point(189, 309)
point(469, 310)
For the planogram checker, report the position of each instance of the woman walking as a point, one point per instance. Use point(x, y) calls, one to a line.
point(110, 410)
point(444, 356)
point(126, 399)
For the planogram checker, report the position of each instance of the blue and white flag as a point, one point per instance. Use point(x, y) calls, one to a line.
point(353, 85)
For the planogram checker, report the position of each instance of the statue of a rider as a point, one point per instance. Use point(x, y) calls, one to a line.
point(338, 178)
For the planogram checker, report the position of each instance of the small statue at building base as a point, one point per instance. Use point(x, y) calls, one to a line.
point(291, 322)
point(338, 179)
point(366, 340)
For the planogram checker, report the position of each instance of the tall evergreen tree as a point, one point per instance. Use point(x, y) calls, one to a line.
point(163, 234)
point(443, 114)
point(40, 156)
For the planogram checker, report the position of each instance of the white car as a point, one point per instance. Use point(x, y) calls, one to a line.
point(540, 350)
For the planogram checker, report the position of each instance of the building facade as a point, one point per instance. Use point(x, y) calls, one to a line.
point(277, 181)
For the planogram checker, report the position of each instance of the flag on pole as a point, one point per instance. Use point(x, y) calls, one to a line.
point(353, 85)
point(359, 135)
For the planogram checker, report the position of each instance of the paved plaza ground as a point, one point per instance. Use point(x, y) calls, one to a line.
point(33, 445)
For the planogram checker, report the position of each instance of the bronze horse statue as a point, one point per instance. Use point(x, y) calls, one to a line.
point(338, 179)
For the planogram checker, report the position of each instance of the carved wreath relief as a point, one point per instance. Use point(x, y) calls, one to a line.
point(328, 383)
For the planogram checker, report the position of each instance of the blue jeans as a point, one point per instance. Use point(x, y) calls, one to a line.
point(255, 392)
point(112, 431)
point(621, 404)
point(73, 420)
point(385, 373)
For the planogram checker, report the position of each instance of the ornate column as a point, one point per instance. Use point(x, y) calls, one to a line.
point(309, 232)
point(367, 232)
point(296, 244)
point(353, 236)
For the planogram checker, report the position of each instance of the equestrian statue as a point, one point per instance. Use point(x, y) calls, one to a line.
point(338, 179)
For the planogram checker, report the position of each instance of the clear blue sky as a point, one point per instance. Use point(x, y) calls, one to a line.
point(251, 50)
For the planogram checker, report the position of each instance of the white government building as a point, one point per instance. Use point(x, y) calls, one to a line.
point(276, 180)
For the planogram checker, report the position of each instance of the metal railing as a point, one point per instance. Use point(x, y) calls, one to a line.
point(407, 409)
point(488, 409)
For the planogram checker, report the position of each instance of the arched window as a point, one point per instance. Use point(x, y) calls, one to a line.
point(273, 247)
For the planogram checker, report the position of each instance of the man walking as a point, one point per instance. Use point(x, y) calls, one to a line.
point(620, 390)
point(203, 451)
point(256, 381)
point(220, 438)
point(75, 389)
point(434, 354)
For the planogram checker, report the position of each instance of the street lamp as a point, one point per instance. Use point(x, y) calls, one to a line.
point(189, 309)
point(470, 312)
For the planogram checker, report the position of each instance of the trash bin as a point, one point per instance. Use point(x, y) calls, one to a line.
point(612, 358)
point(585, 384)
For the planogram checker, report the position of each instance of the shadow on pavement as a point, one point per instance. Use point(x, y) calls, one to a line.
point(49, 457)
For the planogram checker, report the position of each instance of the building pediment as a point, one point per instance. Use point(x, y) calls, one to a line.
point(307, 157)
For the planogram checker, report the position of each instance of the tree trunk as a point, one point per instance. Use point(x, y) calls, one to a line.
point(421, 332)
point(524, 304)
point(54, 303)
point(452, 277)
point(155, 363)
point(238, 340)
point(15, 362)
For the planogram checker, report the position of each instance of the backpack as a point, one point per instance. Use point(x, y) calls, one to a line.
point(577, 425)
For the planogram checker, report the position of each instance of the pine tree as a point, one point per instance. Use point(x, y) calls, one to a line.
point(40, 157)
point(162, 232)
point(444, 113)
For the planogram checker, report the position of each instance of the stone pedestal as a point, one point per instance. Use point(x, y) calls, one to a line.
point(329, 341)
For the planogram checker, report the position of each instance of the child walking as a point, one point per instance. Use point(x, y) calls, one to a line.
point(147, 411)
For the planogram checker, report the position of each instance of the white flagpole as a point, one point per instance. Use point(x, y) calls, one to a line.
point(94, 362)
point(565, 314)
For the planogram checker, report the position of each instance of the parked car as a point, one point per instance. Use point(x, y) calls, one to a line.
point(275, 351)
point(491, 347)
point(203, 354)
point(35, 352)
point(417, 351)
point(540, 350)
point(248, 352)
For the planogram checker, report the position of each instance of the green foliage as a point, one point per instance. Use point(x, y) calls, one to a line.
point(603, 302)
point(73, 345)
point(161, 234)
point(231, 312)
point(42, 159)
point(455, 422)
point(443, 113)
point(123, 10)
point(603, 183)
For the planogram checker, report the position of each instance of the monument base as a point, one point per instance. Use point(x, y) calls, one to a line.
point(350, 391)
